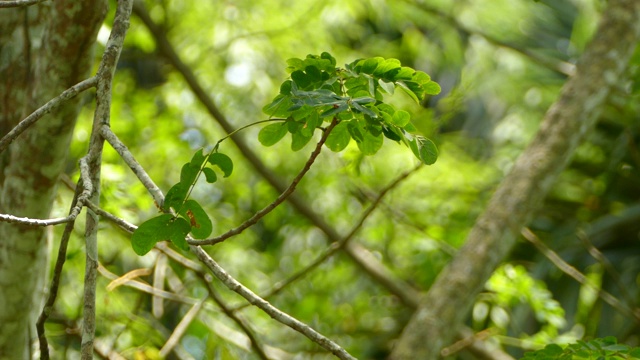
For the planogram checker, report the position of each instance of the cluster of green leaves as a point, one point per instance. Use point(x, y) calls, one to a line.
point(318, 91)
point(183, 215)
point(605, 349)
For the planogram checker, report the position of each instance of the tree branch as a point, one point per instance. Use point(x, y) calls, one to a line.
point(279, 200)
point(578, 276)
point(50, 106)
point(19, 3)
point(520, 194)
point(265, 306)
point(94, 160)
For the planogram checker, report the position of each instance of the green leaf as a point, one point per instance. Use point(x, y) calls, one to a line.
point(390, 132)
point(189, 173)
point(400, 118)
point(159, 228)
point(199, 223)
point(403, 85)
point(387, 65)
point(278, 107)
point(356, 132)
point(271, 134)
point(364, 110)
point(295, 64)
point(424, 149)
point(311, 123)
point(368, 66)
point(388, 87)
point(403, 73)
point(431, 88)
point(176, 196)
point(335, 110)
point(146, 236)
point(339, 137)
point(198, 158)
point(223, 162)
point(299, 140)
point(370, 144)
point(178, 230)
point(210, 175)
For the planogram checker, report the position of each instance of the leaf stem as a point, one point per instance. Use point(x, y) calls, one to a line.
point(283, 196)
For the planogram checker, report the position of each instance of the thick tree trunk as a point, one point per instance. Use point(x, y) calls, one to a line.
point(575, 113)
point(44, 49)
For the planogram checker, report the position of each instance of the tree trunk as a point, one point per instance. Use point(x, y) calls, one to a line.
point(601, 68)
point(44, 49)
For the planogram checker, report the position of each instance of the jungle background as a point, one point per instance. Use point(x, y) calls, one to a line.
point(500, 65)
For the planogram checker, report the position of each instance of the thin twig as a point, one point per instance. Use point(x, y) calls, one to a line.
point(45, 109)
point(135, 166)
point(55, 281)
point(179, 330)
point(255, 344)
point(279, 200)
point(338, 245)
point(578, 276)
point(265, 306)
point(19, 3)
point(606, 264)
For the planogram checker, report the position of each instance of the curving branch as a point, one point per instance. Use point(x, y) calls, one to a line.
point(50, 106)
point(265, 306)
point(279, 200)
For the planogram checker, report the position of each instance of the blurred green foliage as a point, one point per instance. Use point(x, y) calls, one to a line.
point(500, 65)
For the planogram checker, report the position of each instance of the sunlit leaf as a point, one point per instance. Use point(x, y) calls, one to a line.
point(400, 118)
point(271, 134)
point(339, 137)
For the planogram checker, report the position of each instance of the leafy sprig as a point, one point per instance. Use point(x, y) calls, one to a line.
point(350, 100)
point(183, 215)
point(317, 92)
point(606, 348)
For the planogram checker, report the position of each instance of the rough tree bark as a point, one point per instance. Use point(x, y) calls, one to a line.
point(575, 113)
point(44, 49)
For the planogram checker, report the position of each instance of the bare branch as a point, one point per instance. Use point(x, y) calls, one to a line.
point(94, 159)
point(279, 200)
point(578, 276)
point(265, 306)
point(19, 3)
point(55, 281)
point(45, 109)
point(135, 166)
point(338, 245)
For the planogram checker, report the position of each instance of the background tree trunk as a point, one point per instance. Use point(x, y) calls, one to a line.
point(574, 114)
point(44, 49)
